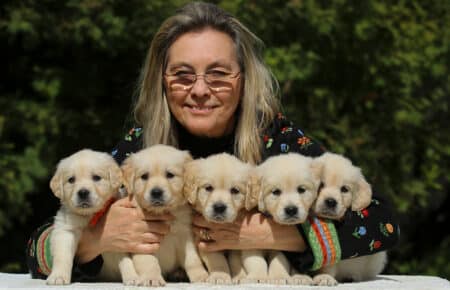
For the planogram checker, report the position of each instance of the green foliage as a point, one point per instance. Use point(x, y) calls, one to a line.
point(368, 79)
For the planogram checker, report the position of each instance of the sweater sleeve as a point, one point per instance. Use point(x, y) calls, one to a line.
point(38, 251)
point(360, 233)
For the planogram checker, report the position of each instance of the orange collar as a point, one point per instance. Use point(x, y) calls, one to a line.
point(96, 217)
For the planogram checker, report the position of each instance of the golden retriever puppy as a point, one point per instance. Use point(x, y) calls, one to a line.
point(289, 186)
point(344, 187)
point(154, 179)
point(218, 187)
point(86, 183)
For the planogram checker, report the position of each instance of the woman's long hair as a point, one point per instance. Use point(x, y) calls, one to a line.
point(259, 99)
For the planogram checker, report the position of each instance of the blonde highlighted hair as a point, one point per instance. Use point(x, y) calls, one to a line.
point(259, 100)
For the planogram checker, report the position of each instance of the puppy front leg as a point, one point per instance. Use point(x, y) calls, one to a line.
point(236, 268)
point(63, 246)
point(148, 269)
point(219, 272)
point(193, 264)
point(255, 266)
point(279, 268)
point(128, 271)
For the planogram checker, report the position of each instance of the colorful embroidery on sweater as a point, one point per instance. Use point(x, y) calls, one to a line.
point(44, 258)
point(324, 242)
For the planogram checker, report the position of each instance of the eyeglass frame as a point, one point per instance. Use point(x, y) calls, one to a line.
point(205, 79)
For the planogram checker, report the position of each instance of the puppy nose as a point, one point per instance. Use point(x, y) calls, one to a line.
point(219, 208)
point(83, 193)
point(291, 210)
point(156, 193)
point(330, 202)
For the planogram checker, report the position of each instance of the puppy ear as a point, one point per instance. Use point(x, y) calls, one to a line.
point(56, 184)
point(128, 175)
point(190, 186)
point(253, 191)
point(115, 176)
point(362, 198)
point(316, 167)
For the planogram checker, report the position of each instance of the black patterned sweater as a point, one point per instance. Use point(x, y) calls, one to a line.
point(360, 233)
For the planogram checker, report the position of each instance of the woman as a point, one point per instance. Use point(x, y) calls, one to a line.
point(205, 88)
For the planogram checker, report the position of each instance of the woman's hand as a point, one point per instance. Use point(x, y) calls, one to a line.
point(251, 230)
point(124, 228)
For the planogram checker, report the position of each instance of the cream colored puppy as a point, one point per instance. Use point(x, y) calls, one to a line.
point(218, 187)
point(154, 178)
point(85, 183)
point(344, 187)
point(289, 186)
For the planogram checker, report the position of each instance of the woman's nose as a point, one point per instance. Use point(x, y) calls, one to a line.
point(200, 87)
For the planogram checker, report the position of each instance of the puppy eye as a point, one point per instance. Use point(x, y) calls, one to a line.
point(234, 190)
point(144, 176)
point(96, 177)
point(276, 192)
point(170, 174)
point(209, 188)
point(345, 189)
point(71, 179)
point(301, 189)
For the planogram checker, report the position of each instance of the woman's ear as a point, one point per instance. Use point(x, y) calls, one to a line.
point(363, 196)
point(128, 174)
point(56, 184)
point(253, 190)
point(190, 186)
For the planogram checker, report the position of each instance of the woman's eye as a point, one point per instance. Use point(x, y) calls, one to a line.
point(301, 189)
point(144, 176)
point(217, 73)
point(345, 189)
point(209, 188)
point(71, 179)
point(276, 192)
point(96, 177)
point(183, 74)
point(234, 190)
point(170, 174)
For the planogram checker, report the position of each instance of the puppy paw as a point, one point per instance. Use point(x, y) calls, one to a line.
point(198, 276)
point(131, 281)
point(151, 281)
point(324, 280)
point(219, 278)
point(253, 280)
point(58, 279)
point(277, 281)
point(300, 279)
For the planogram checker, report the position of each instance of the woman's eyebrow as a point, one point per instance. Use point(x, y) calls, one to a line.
point(178, 65)
point(219, 63)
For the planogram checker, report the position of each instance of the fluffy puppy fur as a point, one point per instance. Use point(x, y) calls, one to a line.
point(218, 187)
point(154, 179)
point(344, 187)
point(289, 186)
point(84, 182)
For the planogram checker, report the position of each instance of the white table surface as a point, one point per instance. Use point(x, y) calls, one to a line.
point(24, 281)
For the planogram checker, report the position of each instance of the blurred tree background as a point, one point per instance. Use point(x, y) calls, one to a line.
point(368, 79)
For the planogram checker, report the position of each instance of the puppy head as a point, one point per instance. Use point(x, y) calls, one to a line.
point(343, 186)
point(85, 180)
point(288, 187)
point(155, 177)
point(217, 186)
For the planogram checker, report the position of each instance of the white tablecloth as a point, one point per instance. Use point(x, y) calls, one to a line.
point(24, 281)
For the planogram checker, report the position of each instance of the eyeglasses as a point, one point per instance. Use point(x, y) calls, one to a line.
point(217, 81)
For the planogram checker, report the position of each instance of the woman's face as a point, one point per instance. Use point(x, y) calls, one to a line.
point(205, 107)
